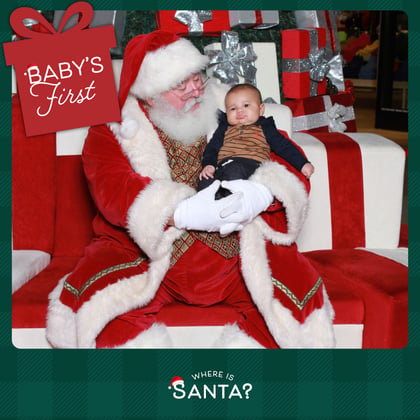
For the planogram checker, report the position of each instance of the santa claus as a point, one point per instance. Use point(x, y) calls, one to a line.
point(156, 240)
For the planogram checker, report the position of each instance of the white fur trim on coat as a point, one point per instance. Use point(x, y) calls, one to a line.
point(315, 332)
point(232, 337)
point(149, 215)
point(165, 68)
point(290, 191)
point(143, 148)
point(61, 320)
point(156, 337)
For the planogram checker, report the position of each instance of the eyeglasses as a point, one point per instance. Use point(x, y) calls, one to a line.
point(190, 94)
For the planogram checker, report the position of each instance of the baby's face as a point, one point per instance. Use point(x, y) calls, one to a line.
point(243, 107)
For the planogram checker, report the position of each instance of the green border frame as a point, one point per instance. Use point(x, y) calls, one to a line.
point(123, 384)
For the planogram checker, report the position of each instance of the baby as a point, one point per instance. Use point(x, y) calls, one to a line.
point(244, 139)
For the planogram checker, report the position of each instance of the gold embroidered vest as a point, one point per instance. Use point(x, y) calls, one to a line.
point(185, 164)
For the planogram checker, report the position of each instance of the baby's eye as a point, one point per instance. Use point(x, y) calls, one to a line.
point(232, 109)
point(246, 105)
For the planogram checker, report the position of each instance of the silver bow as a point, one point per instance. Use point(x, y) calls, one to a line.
point(319, 64)
point(316, 62)
point(194, 19)
point(234, 60)
point(336, 116)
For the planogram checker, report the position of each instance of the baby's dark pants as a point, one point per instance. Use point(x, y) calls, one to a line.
point(230, 169)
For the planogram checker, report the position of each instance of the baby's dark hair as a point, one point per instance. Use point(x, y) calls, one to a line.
point(245, 86)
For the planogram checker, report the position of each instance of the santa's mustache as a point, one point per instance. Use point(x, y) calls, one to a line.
point(191, 103)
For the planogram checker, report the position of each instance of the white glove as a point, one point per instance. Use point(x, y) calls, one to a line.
point(203, 212)
point(254, 199)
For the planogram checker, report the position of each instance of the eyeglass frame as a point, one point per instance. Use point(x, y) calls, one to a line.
point(189, 95)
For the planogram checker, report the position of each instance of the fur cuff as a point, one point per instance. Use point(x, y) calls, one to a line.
point(149, 214)
point(288, 189)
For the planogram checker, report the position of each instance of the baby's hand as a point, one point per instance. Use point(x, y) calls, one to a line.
point(208, 172)
point(307, 170)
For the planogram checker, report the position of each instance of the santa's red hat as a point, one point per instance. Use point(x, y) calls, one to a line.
point(156, 62)
point(176, 380)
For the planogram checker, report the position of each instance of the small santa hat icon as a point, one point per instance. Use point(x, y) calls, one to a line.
point(176, 380)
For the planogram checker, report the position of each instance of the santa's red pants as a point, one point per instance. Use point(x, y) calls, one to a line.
point(201, 277)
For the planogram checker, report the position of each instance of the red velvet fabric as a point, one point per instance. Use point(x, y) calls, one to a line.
point(75, 209)
point(348, 306)
point(33, 186)
point(30, 302)
point(112, 182)
point(178, 314)
point(184, 283)
point(98, 258)
point(346, 190)
point(380, 282)
point(287, 266)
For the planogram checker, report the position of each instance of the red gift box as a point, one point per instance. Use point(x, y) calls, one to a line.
point(304, 62)
point(326, 113)
point(193, 24)
point(64, 79)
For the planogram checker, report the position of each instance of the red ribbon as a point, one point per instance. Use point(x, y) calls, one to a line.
point(346, 190)
point(259, 19)
point(330, 30)
point(18, 15)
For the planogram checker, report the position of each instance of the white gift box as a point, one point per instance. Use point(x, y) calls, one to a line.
point(248, 19)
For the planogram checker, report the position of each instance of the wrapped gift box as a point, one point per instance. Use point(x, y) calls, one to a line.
point(255, 19)
point(193, 22)
point(266, 75)
point(64, 78)
point(303, 62)
point(326, 113)
point(326, 19)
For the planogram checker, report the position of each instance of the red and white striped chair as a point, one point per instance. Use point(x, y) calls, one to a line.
point(351, 234)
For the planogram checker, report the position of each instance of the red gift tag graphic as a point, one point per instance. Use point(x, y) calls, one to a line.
point(65, 79)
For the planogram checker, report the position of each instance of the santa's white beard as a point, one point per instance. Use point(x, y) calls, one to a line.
point(183, 126)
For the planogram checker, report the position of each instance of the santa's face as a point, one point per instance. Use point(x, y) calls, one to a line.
point(186, 96)
point(185, 115)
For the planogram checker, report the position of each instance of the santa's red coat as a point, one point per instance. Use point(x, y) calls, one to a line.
point(128, 271)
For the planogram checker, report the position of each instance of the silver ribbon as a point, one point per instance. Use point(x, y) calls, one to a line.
point(316, 63)
point(316, 18)
point(194, 19)
point(319, 65)
point(233, 60)
point(334, 117)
